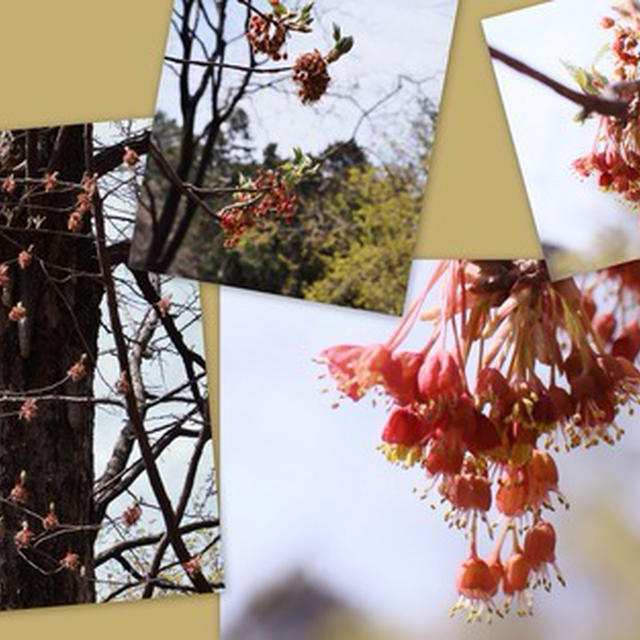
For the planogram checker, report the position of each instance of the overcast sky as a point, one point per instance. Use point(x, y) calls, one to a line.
point(568, 212)
point(388, 42)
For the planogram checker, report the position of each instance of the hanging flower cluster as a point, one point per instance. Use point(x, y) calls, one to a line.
point(265, 194)
point(269, 193)
point(267, 34)
point(614, 159)
point(311, 76)
point(515, 368)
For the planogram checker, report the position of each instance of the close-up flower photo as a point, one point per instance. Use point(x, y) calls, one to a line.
point(469, 460)
point(567, 73)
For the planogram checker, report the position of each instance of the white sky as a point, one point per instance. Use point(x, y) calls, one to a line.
point(302, 485)
point(413, 41)
point(567, 211)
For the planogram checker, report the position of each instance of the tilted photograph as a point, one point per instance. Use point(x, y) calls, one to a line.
point(474, 461)
point(291, 144)
point(568, 76)
point(108, 489)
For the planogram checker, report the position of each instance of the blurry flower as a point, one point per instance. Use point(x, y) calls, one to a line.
point(17, 312)
point(130, 157)
point(9, 184)
point(163, 305)
point(28, 410)
point(192, 566)
point(311, 76)
point(24, 259)
point(71, 561)
point(50, 521)
point(24, 536)
point(78, 370)
point(5, 279)
point(74, 221)
point(19, 492)
point(122, 385)
point(131, 514)
point(50, 181)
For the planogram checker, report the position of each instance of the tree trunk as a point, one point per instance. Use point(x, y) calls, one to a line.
point(55, 448)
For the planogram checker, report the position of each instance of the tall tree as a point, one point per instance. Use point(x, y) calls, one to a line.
point(67, 307)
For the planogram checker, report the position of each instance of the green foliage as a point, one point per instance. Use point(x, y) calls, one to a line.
point(350, 241)
point(371, 272)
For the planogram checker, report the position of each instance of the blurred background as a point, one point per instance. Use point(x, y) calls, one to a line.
point(582, 227)
point(326, 540)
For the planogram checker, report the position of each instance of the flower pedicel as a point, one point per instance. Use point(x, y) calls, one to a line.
point(515, 367)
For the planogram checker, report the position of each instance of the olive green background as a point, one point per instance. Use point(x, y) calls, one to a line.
point(70, 61)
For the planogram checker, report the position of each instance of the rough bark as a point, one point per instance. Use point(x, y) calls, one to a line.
point(56, 447)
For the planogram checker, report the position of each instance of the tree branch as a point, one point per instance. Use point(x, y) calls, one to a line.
point(590, 103)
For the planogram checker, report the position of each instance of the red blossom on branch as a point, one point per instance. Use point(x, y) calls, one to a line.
point(514, 368)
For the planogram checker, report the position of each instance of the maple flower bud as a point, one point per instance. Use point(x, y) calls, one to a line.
point(512, 494)
point(71, 561)
point(24, 536)
point(310, 74)
point(542, 476)
point(400, 377)
point(50, 521)
point(163, 305)
point(476, 584)
point(5, 279)
point(131, 514)
point(50, 181)
point(445, 454)
point(130, 157)
point(192, 566)
point(74, 221)
point(540, 543)
point(122, 385)
point(17, 312)
point(19, 492)
point(9, 184)
point(78, 370)
point(24, 259)
point(28, 410)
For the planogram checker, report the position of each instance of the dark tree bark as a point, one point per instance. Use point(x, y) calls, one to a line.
point(62, 301)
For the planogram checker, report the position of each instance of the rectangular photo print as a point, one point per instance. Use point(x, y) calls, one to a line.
point(291, 144)
point(107, 483)
point(405, 477)
point(568, 75)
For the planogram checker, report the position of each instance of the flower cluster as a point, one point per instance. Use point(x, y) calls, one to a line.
point(614, 159)
point(268, 193)
point(268, 32)
point(267, 35)
point(311, 75)
point(515, 368)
